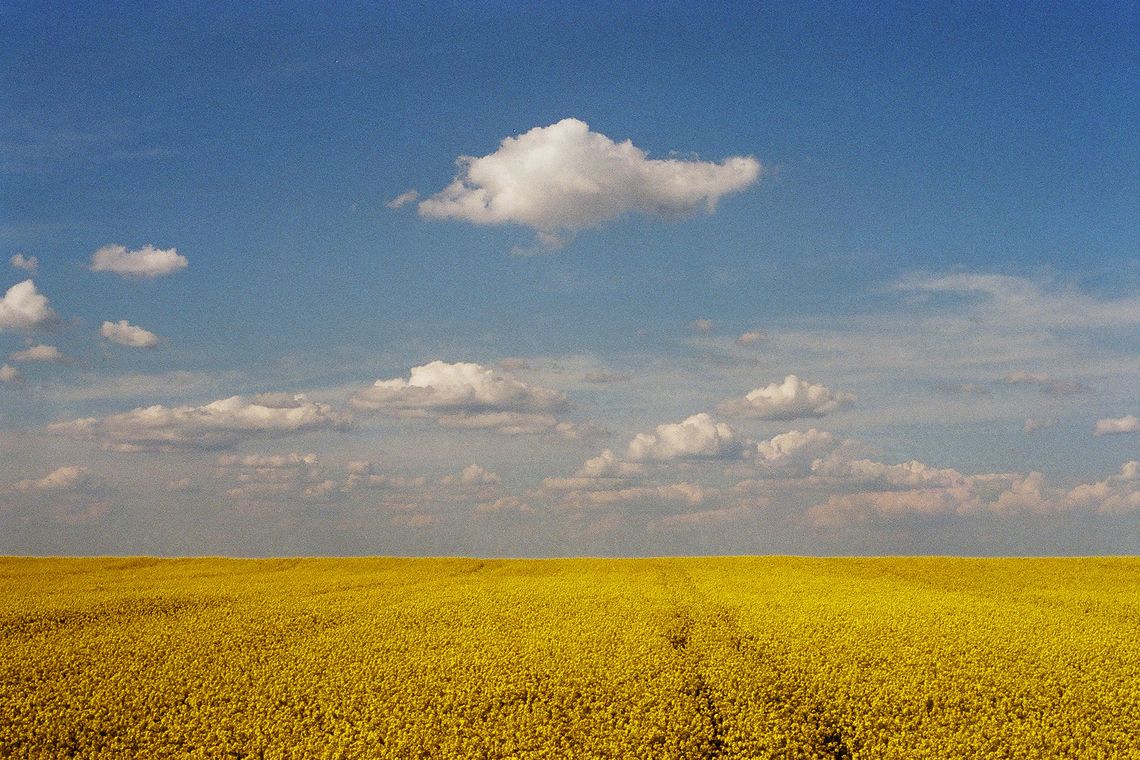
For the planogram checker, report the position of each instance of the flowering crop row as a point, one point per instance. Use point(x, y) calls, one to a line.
point(652, 658)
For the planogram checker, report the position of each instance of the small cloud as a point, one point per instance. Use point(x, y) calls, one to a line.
point(147, 262)
point(1126, 424)
point(24, 308)
point(472, 475)
point(1033, 424)
point(968, 389)
point(789, 400)
point(751, 338)
point(795, 450)
point(126, 334)
point(1026, 378)
point(685, 493)
point(602, 377)
point(563, 178)
point(266, 480)
point(504, 505)
point(39, 353)
point(362, 474)
point(413, 520)
point(703, 326)
point(698, 437)
point(1047, 384)
point(9, 374)
point(403, 199)
point(27, 263)
point(514, 364)
point(61, 480)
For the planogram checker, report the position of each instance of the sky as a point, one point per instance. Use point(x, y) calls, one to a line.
point(620, 279)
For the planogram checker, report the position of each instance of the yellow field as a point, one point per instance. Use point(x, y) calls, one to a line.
point(658, 658)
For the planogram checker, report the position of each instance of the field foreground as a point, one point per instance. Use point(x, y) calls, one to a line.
point(652, 658)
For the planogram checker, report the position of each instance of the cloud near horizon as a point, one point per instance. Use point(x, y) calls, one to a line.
point(471, 396)
point(698, 437)
point(67, 479)
point(221, 424)
point(563, 178)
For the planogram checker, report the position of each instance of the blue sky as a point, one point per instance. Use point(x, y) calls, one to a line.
point(863, 279)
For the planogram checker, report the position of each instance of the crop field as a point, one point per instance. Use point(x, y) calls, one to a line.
point(649, 658)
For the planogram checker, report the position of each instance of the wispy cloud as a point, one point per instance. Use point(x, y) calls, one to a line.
point(27, 263)
point(218, 425)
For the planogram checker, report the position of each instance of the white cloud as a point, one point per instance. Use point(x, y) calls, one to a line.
point(840, 509)
point(606, 470)
point(472, 474)
point(504, 505)
point(467, 395)
point(39, 353)
point(363, 474)
point(126, 334)
point(413, 520)
point(62, 480)
point(1126, 424)
point(24, 308)
point(967, 389)
point(789, 400)
point(218, 425)
point(703, 326)
point(146, 262)
point(267, 479)
point(9, 374)
point(1034, 424)
point(795, 451)
point(403, 199)
point(690, 520)
point(698, 437)
point(1046, 384)
point(687, 493)
point(602, 377)
point(750, 338)
point(27, 263)
point(564, 178)
point(916, 490)
point(1021, 302)
point(908, 475)
point(1117, 494)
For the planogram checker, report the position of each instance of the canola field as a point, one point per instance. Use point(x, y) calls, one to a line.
point(648, 658)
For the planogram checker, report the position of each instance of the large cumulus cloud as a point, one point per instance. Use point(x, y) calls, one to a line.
point(469, 395)
point(564, 177)
point(698, 437)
